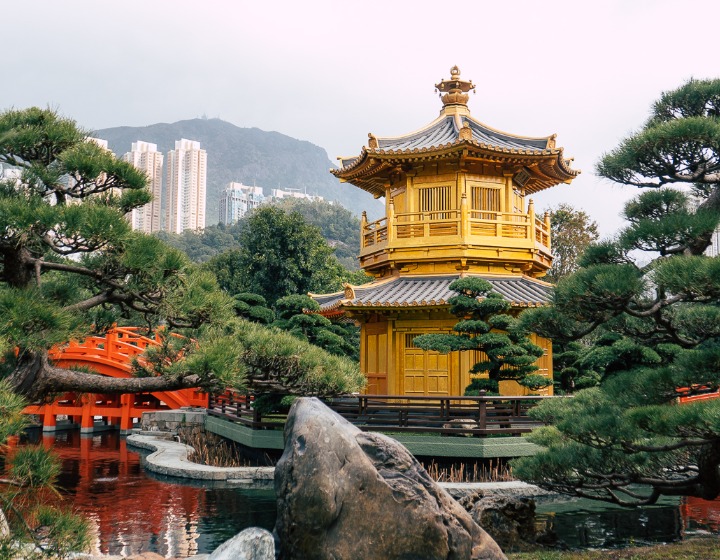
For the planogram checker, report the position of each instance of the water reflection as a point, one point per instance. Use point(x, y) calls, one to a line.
point(591, 524)
point(132, 512)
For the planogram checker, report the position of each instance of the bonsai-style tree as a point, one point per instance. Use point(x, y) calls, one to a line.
point(253, 308)
point(340, 339)
point(71, 266)
point(486, 326)
point(655, 326)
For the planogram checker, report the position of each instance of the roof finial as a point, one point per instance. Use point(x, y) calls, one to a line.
point(456, 88)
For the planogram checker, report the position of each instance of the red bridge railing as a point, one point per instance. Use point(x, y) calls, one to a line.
point(109, 355)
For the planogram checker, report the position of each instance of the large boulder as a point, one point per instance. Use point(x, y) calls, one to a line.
point(344, 494)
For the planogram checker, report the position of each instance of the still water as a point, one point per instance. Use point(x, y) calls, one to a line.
point(133, 511)
point(583, 523)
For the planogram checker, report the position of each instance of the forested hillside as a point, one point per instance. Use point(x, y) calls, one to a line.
point(249, 155)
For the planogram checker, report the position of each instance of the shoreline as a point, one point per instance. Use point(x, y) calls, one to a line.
point(170, 458)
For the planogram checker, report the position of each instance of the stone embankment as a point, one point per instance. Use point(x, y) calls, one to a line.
point(170, 458)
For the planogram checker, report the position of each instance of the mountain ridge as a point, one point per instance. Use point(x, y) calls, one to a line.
point(253, 156)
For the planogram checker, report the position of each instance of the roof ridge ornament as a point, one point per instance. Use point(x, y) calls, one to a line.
point(455, 88)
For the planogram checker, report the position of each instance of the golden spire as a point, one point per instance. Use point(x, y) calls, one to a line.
point(456, 88)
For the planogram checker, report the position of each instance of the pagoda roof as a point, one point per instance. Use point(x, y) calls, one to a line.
point(445, 131)
point(456, 134)
point(429, 291)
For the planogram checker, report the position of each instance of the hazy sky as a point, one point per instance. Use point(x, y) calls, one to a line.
point(330, 72)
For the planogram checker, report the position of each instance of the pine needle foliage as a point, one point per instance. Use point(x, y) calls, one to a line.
point(70, 266)
point(486, 326)
point(648, 333)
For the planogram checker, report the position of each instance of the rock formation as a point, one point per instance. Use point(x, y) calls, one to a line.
point(344, 494)
point(509, 520)
point(251, 544)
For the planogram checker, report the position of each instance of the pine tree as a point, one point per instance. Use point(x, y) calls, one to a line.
point(486, 326)
point(655, 326)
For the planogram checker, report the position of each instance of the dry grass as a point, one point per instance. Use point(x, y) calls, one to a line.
point(701, 548)
point(477, 471)
point(211, 449)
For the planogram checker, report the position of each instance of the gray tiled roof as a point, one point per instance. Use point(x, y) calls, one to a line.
point(439, 133)
point(445, 131)
point(346, 161)
point(491, 137)
point(424, 291)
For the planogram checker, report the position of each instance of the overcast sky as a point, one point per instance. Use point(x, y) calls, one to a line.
point(330, 72)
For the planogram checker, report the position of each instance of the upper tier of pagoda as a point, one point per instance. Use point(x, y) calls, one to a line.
point(456, 195)
point(536, 163)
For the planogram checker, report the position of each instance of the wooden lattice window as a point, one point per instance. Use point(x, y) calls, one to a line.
point(485, 202)
point(434, 201)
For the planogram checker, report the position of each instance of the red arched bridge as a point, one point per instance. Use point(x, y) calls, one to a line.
point(109, 355)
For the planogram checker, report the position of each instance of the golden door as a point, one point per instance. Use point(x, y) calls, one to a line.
point(425, 372)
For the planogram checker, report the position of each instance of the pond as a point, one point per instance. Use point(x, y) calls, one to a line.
point(133, 511)
point(583, 523)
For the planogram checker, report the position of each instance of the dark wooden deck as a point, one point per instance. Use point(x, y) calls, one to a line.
point(472, 416)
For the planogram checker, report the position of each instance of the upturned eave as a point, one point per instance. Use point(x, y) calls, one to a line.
point(369, 171)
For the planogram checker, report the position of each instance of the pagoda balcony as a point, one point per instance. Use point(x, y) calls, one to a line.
point(473, 232)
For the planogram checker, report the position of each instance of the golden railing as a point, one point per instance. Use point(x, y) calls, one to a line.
point(374, 232)
point(423, 225)
point(426, 224)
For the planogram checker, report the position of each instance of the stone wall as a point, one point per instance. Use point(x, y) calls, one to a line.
point(172, 420)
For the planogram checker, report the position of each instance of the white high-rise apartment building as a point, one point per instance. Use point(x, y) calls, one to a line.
point(145, 157)
point(185, 185)
point(237, 200)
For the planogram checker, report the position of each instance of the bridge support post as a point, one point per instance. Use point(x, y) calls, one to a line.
point(49, 418)
point(87, 423)
point(126, 423)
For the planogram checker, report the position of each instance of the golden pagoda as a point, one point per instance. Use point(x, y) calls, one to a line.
point(456, 199)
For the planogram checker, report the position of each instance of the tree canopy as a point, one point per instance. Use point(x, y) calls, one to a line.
point(201, 246)
point(339, 227)
point(655, 327)
point(486, 326)
point(280, 254)
point(71, 266)
point(571, 231)
point(337, 224)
